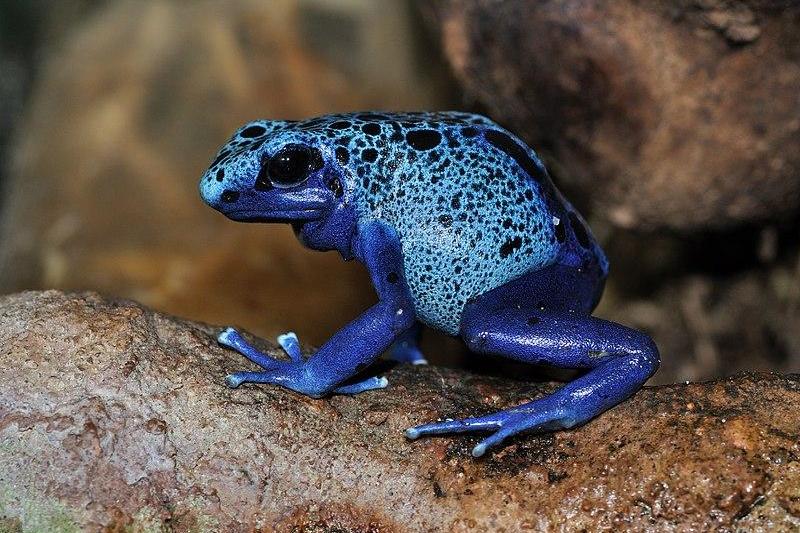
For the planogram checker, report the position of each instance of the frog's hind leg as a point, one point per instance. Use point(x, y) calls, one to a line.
point(523, 322)
point(406, 347)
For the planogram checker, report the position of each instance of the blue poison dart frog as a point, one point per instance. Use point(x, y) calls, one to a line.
point(461, 229)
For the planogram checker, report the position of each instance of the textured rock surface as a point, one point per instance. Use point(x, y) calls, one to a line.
point(114, 416)
point(682, 114)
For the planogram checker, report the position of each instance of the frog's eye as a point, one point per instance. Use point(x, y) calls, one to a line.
point(292, 165)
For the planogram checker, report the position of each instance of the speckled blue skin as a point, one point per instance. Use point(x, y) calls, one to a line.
point(461, 229)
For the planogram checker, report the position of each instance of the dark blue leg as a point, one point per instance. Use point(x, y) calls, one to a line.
point(291, 345)
point(406, 348)
point(619, 359)
point(354, 346)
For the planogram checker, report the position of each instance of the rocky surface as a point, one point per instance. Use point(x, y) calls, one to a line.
point(114, 417)
point(682, 114)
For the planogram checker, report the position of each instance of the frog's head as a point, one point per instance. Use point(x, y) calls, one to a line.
point(268, 171)
point(277, 171)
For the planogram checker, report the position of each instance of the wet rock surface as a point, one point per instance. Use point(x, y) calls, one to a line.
point(681, 114)
point(114, 416)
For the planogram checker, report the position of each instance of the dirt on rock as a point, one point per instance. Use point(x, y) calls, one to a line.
point(113, 416)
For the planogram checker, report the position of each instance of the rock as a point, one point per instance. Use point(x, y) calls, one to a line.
point(126, 113)
point(680, 115)
point(115, 417)
point(715, 306)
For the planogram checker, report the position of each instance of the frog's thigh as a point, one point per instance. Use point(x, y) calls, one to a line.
point(531, 320)
point(544, 318)
point(539, 320)
point(552, 289)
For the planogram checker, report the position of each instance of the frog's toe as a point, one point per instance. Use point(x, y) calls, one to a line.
point(232, 381)
point(541, 415)
point(492, 440)
point(227, 336)
point(230, 338)
point(291, 345)
point(453, 426)
point(362, 386)
point(404, 353)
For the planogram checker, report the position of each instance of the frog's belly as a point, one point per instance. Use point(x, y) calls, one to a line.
point(442, 283)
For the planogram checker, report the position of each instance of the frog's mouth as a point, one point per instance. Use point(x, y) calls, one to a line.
point(298, 216)
point(296, 206)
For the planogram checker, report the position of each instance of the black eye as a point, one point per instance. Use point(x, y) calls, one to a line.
point(292, 165)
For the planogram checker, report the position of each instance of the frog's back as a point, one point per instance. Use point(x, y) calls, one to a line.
point(473, 206)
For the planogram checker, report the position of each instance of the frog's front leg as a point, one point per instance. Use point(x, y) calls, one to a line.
point(353, 347)
point(619, 360)
point(291, 345)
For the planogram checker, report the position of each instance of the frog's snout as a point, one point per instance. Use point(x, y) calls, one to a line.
point(216, 195)
point(222, 191)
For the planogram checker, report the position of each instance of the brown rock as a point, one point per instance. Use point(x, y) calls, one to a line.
point(113, 416)
point(679, 114)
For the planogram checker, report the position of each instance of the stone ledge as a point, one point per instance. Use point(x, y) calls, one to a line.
point(115, 416)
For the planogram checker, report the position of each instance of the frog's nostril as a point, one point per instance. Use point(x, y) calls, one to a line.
point(229, 196)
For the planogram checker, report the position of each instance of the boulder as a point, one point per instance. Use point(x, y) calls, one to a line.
point(115, 417)
point(679, 114)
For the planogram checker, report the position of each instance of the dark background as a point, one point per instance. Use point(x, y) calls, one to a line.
point(674, 126)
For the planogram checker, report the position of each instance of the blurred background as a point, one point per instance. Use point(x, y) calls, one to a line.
point(674, 125)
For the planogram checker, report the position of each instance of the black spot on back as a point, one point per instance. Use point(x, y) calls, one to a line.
point(371, 128)
point(369, 155)
point(335, 187)
point(341, 124)
point(423, 139)
point(509, 246)
point(506, 144)
point(446, 220)
point(580, 230)
point(342, 155)
point(253, 131)
point(469, 132)
point(220, 175)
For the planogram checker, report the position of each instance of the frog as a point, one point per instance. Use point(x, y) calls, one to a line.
point(462, 230)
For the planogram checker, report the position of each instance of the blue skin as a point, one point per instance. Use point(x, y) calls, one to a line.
point(461, 229)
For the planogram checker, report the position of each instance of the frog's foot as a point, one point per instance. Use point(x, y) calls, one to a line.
point(406, 353)
point(405, 348)
point(287, 373)
point(546, 414)
point(231, 338)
